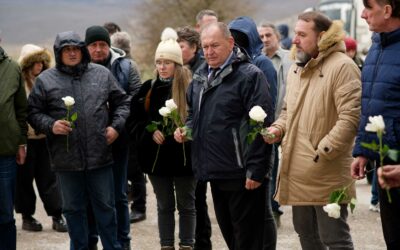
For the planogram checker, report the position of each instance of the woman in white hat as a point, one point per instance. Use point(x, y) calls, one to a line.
point(159, 155)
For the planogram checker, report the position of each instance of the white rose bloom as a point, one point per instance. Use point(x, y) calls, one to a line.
point(164, 111)
point(333, 210)
point(68, 101)
point(257, 114)
point(376, 124)
point(171, 104)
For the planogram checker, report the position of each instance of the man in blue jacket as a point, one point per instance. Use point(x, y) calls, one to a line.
point(219, 98)
point(381, 96)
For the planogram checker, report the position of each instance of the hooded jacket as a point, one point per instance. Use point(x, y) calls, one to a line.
point(286, 41)
point(95, 91)
point(13, 107)
point(247, 26)
point(319, 121)
point(381, 92)
point(219, 114)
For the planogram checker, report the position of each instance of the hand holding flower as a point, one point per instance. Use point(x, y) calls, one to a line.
point(389, 176)
point(273, 135)
point(158, 137)
point(257, 116)
point(69, 102)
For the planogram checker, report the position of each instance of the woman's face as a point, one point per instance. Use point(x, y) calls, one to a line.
point(188, 52)
point(165, 68)
point(37, 68)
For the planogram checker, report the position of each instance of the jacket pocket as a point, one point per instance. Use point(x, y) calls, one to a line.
point(237, 148)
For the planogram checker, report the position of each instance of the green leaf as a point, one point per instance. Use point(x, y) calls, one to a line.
point(72, 125)
point(353, 202)
point(251, 137)
point(253, 123)
point(393, 154)
point(373, 146)
point(74, 116)
point(188, 133)
point(334, 196)
point(153, 126)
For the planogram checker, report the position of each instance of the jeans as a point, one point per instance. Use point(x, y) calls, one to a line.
point(8, 231)
point(120, 168)
point(77, 190)
point(374, 188)
point(185, 198)
point(137, 179)
point(318, 231)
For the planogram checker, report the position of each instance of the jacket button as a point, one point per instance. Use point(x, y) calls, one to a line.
point(326, 149)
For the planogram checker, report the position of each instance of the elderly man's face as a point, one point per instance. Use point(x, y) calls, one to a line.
point(216, 47)
point(71, 55)
point(306, 41)
point(375, 16)
point(99, 51)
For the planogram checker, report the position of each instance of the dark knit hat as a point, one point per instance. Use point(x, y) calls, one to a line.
point(97, 33)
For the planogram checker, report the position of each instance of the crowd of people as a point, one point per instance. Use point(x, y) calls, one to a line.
point(90, 133)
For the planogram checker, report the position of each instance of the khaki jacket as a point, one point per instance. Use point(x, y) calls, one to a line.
point(319, 122)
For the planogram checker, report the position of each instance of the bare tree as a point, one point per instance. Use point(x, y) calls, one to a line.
point(154, 15)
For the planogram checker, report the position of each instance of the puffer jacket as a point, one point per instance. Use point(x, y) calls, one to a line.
point(13, 107)
point(247, 26)
point(219, 120)
point(319, 122)
point(381, 92)
point(95, 91)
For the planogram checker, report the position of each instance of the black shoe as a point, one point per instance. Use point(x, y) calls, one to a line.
point(31, 224)
point(59, 224)
point(126, 246)
point(136, 216)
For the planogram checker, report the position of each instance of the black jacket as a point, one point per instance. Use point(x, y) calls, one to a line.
point(95, 91)
point(170, 160)
point(220, 122)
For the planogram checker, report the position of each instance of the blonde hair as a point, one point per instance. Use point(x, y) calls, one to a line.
point(180, 83)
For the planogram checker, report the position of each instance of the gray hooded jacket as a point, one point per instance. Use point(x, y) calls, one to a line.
point(95, 91)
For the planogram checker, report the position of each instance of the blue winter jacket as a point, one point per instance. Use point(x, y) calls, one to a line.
point(381, 92)
point(247, 26)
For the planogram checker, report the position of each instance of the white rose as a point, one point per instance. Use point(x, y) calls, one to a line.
point(333, 210)
point(171, 104)
point(257, 114)
point(68, 101)
point(164, 111)
point(376, 124)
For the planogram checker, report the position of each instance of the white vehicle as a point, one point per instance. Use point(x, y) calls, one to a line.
point(349, 11)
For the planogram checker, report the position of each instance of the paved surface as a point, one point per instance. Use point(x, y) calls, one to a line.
point(365, 229)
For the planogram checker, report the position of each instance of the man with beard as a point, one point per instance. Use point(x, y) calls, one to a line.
point(317, 127)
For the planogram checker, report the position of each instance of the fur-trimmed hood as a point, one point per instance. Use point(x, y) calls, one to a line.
point(30, 54)
point(333, 37)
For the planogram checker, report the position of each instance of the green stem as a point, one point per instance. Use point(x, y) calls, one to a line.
point(381, 157)
point(158, 151)
point(343, 191)
point(68, 108)
point(184, 154)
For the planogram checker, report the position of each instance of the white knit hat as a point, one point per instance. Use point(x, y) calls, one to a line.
point(169, 48)
point(28, 49)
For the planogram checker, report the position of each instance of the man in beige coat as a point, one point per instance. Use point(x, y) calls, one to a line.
point(317, 126)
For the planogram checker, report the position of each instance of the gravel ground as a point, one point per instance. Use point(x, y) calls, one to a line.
point(365, 228)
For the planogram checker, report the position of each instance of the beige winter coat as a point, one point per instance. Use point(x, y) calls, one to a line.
point(319, 122)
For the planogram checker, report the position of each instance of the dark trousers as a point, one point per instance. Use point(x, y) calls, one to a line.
point(390, 216)
point(203, 223)
point(138, 181)
point(240, 213)
point(37, 167)
point(270, 235)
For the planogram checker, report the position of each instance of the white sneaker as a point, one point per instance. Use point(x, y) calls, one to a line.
point(375, 208)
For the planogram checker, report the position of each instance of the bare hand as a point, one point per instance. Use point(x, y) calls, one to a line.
point(61, 127)
point(111, 135)
point(158, 137)
point(272, 139)
point(358, 167)
point(21, 154)
point(180, 135)
point(389, 176)
point(250, 184)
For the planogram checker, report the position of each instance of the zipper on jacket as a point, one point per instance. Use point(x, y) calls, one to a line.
point(237, 150)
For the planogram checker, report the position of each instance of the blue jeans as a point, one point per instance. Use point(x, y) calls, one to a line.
point(8, 232)
point(374, 188)
point(166, 188)
point(77, 190)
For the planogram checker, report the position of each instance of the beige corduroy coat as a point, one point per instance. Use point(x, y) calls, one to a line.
point(319, 123)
